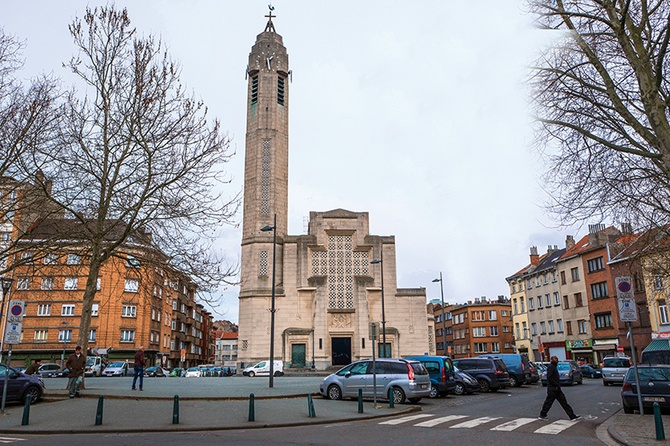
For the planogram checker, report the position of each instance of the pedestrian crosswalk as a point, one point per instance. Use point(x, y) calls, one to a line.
point(6, 440)
point(492, 423)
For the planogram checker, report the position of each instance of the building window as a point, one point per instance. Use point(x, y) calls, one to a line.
point(131, 285)
point(603, 320)
point(71, 283)
point(495, 347)
point(174, 324)
point(480, 347)
point(539, 302)
point(582, 326)
point(44, 310)
point(543, 328)
point(551, 327)
point(493, 330)
point(129, 311)
point(47, 283)
point(523, 305)
point(98, 283)
point(23, 284)
point(493, 315)
point(599, 290)
point(94, 310)
point(91, 336)
point(596, 264)
point(254, 89)
point(525, 329)
point(73, 259)
point(503, 313)
point(658, 282)
point(65, 335)
point(531, 304)
point(663, 311)
point(563, 281)
point(574, 272)
point(547, 300)
point(132, 261)
point(127, 335)
point(6, 236)
point(533, 328)
point(40, 335)
point(578, 300)
point(67, 310)
point(559, 323)
point(568, 327)
point(478, 316)
point(479, 332)
point(516, 309)
point(50, 259)
point(27, 258)
point(280, 90)
point(566, 302)
point(557, 299)
point(518, 331)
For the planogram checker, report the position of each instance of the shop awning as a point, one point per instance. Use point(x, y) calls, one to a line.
point(657, 344)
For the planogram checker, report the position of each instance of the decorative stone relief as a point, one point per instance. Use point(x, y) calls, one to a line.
point(341, 321)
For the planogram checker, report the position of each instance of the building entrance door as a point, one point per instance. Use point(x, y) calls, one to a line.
point(341, 348)
point(298, 355)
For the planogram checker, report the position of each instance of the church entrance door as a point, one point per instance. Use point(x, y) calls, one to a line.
point(298, 355)
point(341, 348)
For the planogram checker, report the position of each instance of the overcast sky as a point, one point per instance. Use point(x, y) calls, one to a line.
point(414, 111)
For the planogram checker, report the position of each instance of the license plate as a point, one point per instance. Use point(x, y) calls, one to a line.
point(653, 399)
point(424, 386)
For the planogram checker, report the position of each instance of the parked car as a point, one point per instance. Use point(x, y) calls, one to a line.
point(64, 373)
point(441, 371)
point(193, 372)
point(155, 371)
point(94, 366)
point(177, 372)
point(491, 373)
point(465, 383)
point(588, 371)
point(518, 367)
point(20, 386)
point(614, 369)
point(116, 369)
point(568, 373)
point(263, 368)
point(49, 370)
point(534, 374)
point(654, 387)
point(404, 379)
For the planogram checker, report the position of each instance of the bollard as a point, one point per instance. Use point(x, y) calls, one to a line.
point(391, 403)
point(310, 407)
point(660, 432)
point(98, 413)
point(175, 410)
point(26, 412)
point(252, 413)
point(360, 400)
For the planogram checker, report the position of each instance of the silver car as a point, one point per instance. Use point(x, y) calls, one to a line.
point(406, 379)
point(614, 369)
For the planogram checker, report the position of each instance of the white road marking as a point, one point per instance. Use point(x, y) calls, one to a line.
point(407, 419)
point(511, 425)
point(10, 439)
point(436, 421)
point(474, 423)
point(556, 427)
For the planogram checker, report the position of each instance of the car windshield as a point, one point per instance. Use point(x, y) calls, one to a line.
point(616, 362)
point(117, 364)
point(563, 366)
point(193, 369)
point(650, 374)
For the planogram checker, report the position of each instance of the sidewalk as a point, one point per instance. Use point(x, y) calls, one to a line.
point(635, 429)
point(204, 404)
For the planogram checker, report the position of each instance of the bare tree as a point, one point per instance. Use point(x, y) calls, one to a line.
point(136, 159)
point(602, 94)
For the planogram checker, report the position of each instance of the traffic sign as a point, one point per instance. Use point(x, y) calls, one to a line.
point(619, 348)
point(624, 287)
point(627, 310)
point(14, 322)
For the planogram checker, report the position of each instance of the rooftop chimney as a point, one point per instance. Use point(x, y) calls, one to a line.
point(569, 242)
point(534, 257)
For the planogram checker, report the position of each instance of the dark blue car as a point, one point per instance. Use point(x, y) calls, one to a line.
point(441, 371)
point(21, 386)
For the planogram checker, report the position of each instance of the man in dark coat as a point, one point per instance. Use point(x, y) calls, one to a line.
point(139, 368)
point(75, 364)
point(34, 367)
point(554, 392)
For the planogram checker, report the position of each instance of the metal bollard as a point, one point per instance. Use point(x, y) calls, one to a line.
point(360, 400)
point(175, 410)
point(660, 432)
point(252, 412)
point(391, 403)
point(98, 413)
point(310, 406)
point(26, 412)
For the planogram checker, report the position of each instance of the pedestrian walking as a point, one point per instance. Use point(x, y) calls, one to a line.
point(139, 368)
point(34, 367)
point(75, 364)
point(554, 392)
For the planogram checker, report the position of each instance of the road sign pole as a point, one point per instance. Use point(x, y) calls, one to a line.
point(4, 388)
point(634, 357)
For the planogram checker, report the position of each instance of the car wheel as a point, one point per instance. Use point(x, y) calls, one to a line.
point(32, 393)
point(334, 392)
point(398, 395)
point(484, 385)
point(459, 389)
point(252, 374)
point(279, 374)
point(513, 381)
point(433, 392)
point(605, 383)
point(627, 409)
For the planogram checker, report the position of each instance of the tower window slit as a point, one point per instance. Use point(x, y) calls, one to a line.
point(280, 90)
point(254, 89)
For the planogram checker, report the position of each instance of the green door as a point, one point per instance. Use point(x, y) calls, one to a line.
point(298, 355)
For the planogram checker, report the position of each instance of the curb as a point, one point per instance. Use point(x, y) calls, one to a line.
point(60, 397)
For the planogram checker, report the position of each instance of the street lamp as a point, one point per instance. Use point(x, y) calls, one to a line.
point(62, 358)
point(381, 262)
point(444, 326)
point(272, 228)
point(6, 283)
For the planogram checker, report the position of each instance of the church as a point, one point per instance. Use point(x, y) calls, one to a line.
point(322, 299)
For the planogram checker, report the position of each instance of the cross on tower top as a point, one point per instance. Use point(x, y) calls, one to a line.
point(270, 26)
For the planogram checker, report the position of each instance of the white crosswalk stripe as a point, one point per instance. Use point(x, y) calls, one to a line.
point(407, 419)
point(511, 425)
point(474, 423)
point(436, 421)
point(556, 427)
point(10, 439)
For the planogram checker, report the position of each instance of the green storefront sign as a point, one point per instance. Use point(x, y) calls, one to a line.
point(585, 343)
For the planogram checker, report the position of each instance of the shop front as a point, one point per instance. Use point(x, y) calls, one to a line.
point(580, 350)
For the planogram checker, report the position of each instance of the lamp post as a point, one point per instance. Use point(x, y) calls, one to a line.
point(6, 283)
point(272, 228)
point(62, 358)
point(444, 326)
point(380, 261)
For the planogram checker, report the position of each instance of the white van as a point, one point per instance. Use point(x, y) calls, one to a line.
point(94, 366)
point(263, 368)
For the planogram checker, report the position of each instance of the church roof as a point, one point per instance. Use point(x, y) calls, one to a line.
point(341, 213)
